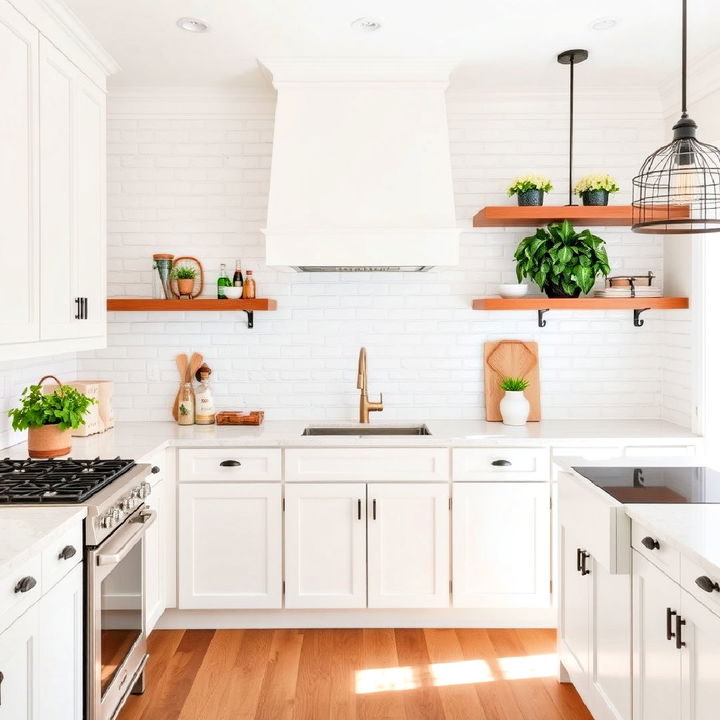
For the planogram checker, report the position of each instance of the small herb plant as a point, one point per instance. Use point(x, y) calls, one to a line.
point(597, 181)
point(562, 261)
point(183, 272)
point(523, 183)
point(66, 408)
point(510, 384)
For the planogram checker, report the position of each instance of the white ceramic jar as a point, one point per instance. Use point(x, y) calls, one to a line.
point(514, 407)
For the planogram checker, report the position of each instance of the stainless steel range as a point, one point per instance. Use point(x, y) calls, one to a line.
point(114, 492)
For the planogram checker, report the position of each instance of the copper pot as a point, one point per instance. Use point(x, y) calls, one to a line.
point(48, 441)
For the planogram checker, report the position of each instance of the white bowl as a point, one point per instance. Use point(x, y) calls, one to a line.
point(233, 293)
point(512, 290)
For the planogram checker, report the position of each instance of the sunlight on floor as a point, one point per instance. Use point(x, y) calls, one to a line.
point(465, 672)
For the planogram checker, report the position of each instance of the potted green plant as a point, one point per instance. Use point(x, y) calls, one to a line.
point(562, 261)
point(530, 189)
point(49, 417)
point(185, 276)
point(514, 406)
point(595, 189)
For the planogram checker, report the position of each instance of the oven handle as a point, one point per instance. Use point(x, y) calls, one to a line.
point(143, 521)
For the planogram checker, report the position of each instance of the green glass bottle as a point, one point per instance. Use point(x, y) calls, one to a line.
point(223, 282)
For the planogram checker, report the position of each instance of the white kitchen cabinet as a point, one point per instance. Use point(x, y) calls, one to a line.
point(155, 547)
point(60, 658)
point(325, 536)
point(19, 179)
point(229, 545)
point(19, 665)
point(72, 193)
point(501, 544)
point(408, 545)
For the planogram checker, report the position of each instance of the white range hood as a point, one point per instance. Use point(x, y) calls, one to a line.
point(360, 175)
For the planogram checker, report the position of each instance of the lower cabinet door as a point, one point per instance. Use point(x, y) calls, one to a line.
point(154, 560)
point(501, 544)
point(657, 663)
point(19, 665)
point(60, 660)
point(408, 545)
point(325, 530)
point(229, 545)
point(701, 661)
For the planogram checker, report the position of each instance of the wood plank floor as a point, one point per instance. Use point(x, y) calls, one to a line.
point(381, 674)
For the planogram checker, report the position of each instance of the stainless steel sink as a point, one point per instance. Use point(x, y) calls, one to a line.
point(366, 430)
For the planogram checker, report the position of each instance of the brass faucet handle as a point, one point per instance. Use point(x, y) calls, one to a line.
point(377, 406)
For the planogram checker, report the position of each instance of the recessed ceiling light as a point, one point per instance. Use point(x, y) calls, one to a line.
point(366, 24)
point(604, 23)
point(192, 24)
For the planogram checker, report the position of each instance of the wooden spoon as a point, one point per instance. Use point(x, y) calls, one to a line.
point(182, 365)
point(195, 362)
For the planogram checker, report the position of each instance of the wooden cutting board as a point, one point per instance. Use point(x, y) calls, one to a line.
point(511, 358)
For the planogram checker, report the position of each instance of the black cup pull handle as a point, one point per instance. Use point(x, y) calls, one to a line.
point(706, 584)
point(650, 543)
point(67, 552)
point(230, 463)
point(679, 642)
point(26, 584)
point(669, 615)
point(501, 463)
point(585, 556)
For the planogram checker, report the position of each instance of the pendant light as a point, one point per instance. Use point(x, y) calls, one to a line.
point(571, 58)
point(677, 190)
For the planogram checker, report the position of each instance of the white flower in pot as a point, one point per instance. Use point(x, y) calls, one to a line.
point(514, 407)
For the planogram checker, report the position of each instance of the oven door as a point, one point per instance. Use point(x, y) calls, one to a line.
point(116, 642)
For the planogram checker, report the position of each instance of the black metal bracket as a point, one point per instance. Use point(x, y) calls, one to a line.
point(250, 318)
point(637, 322)
point(541, 320)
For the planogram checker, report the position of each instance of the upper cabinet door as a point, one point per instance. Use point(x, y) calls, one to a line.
point(408, 545)
point(325, 545)
point(19, 230)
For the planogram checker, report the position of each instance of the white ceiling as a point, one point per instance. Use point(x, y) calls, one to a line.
point(508, 43)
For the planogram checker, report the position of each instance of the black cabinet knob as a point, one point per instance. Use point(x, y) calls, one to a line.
point(706, 584)
point(155, 470)
point(67, 552)
point(501, 463)
point(650, 543)
point(230, 463)
point(26, 584)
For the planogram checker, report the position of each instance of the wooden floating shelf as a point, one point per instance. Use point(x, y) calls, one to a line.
point(129, 304)
point(544, 304)
point(588, 215)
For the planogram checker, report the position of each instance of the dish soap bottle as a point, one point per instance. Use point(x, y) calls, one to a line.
point(186, 406)
point(249, 286)
point(204, 403)
point(222, 282)
point(237, 277)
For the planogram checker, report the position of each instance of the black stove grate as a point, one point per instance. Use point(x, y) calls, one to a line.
point(57, 481)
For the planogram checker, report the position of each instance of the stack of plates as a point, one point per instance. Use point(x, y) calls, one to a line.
point(643, 291)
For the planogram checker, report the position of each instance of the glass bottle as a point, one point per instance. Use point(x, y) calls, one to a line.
point(238, 277)
point(249, 286)
point(162, 266)
point(204, 402)
point(186, 406)
point(222, 282)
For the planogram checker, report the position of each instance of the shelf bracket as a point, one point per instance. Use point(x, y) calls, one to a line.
point(637, 322)
point(250, 318)
point(541, 320)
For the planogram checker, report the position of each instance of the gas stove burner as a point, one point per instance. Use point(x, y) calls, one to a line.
point(57, 481)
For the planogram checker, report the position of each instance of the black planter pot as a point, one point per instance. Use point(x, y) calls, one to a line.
point(595, 197)
point(530, 197)
point(555, 291)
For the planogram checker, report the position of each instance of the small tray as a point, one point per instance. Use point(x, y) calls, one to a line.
point(235, 417)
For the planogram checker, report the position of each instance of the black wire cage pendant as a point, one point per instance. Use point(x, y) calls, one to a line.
point(677, 190)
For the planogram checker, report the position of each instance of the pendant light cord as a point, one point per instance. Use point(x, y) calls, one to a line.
point(684, 58)
point(572, 95)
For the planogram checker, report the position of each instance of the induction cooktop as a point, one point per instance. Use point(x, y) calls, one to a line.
point(656, 484)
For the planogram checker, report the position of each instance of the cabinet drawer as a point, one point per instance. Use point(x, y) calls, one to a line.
point(706, 592)
point(367, 464)
point(663, 556)
point(13, 604)
point(659, 450)
point(494, 464)
point(606, 452)
point(56, 563)
point(230, 464)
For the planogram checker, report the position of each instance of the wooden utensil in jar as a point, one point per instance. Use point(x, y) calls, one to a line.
point(195, 362)
point(182, 365)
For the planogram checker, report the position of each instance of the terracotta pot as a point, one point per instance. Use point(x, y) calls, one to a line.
point(48, 441)
point(186, 286)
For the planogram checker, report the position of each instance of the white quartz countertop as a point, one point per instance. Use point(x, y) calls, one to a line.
point(26, 531)
point(138, 439)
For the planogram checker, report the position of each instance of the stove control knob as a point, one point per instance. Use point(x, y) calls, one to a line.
point(148, 488)
point(107, 520)
point(127, 503)
point(117, 515)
